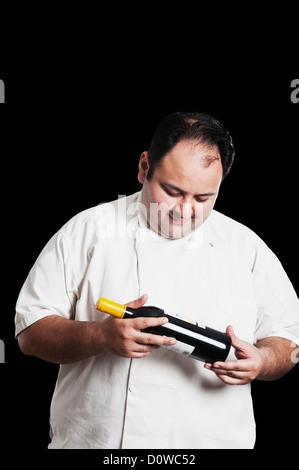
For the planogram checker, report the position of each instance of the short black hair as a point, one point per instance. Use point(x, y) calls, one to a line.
point(192, 126)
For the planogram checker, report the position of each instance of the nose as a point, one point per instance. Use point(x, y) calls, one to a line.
point(184, 209)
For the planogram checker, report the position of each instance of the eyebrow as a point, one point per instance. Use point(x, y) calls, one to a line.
point(172, 186)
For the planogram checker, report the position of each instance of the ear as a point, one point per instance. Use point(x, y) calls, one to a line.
point(143, 167)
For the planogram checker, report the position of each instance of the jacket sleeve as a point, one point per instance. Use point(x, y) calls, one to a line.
point(277, 301)
point(49, 288)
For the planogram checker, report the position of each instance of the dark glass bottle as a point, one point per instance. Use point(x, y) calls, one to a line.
point(203, 344)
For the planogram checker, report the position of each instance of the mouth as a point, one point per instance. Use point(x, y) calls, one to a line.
point(177, 219)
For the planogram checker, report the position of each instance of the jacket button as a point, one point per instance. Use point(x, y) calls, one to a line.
point(132, 388)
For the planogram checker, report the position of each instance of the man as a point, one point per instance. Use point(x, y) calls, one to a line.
point(166, 245)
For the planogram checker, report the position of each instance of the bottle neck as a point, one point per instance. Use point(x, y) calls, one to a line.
point(114, 308)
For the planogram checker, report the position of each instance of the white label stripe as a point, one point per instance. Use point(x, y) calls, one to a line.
point(195, 335)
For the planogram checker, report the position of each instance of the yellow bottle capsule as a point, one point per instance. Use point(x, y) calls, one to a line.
point(105, 305)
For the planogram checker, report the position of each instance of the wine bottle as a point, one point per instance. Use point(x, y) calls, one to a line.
point(203, 344)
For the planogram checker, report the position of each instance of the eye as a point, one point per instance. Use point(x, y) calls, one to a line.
point(201, 199)
point(169, 192)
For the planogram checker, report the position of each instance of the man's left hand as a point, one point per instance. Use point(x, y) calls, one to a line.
point(247, 366)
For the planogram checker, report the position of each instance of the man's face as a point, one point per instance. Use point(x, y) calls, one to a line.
point(183, 188)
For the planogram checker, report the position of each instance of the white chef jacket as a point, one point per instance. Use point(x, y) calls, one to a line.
point(220, 274)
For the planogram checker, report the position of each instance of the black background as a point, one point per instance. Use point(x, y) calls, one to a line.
point(85, 87)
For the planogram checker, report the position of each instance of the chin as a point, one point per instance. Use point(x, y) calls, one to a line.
point(175, 233)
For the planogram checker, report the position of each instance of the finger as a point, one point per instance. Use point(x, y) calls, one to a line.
point(230, 377)
point(153, 339)
point(156, 340)
point(242, 365)
point(229, 372)
point(139, 354)
point(141, 323)
point(144, 348)
point(233, 380)
point(138, 302)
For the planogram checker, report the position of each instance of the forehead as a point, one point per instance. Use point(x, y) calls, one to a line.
point(191, 161)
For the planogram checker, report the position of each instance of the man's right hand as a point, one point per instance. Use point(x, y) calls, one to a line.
point(125, 338)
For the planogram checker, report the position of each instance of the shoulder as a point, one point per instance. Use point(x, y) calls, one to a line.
point(230, 226)
point(86, 223)
point(235, 235)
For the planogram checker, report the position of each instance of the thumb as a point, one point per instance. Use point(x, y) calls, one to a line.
point(138, 302)
point(237, 343)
